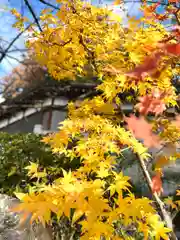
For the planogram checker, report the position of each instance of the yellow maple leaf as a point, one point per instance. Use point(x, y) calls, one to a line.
point(161, 232)
point(170, 202)
point(102, 172)
point(143, 227)
point(121, 183)
point(20, 196)
point(33, 171)
point(32, 168)
point(161, 161)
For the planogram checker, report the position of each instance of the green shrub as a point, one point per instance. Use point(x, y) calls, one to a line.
point(17, 151)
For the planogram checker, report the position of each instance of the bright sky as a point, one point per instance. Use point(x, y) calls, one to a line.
point(7, 32)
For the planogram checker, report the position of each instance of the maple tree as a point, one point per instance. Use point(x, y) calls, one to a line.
point(143, 59)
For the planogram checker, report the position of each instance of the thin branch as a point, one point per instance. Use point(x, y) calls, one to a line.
point(140, 1)
point(164, 214)
point(148, 1)
point(159, 204)
point(49, 4)
point(175, 213)
point(176, 16)
point(60, 45)
point(33, 14)
point(18, 50)
point(12, 42)
point(90, 53)
point(14, 58)
point(13, 50)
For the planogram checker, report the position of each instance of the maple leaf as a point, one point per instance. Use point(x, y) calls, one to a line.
point(173, 49)
point(121, 183)
point(156, 185)
point(149, 64)
point(161, 161)
point(173, 1)
point(102, 172)
point(161, 232)
point(143, 130)
point(149, 10)
point(33, 171)
point(170, 202)
point(152, 103)
point(161, 17)
point(170, 48)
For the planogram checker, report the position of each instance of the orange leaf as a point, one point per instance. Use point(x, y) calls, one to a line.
point(161, 161)
point(150, 64)
point(152, 103)
point(173, 48)
point(157, 184)
point(173, 1)
point(143, 130)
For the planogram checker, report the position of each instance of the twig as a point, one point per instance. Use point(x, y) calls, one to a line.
point(18, 50)
point(49, 4)
point(90, 53)
point(176, 16)
point(148, 1)
point(12, 42)
point(33, 14)
point(14, 58)
point(175, 213)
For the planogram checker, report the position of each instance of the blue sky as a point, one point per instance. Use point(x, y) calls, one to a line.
point(7, 32)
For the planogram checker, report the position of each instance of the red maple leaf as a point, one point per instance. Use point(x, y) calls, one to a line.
point(156, 185)
point(152, 103)
point(143, 130)
point(151, 9)
point(173, 1)
point(161, 17)
point(150, 64)
point(172, 49)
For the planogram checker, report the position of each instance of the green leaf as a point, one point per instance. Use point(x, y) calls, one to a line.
point(12, 171)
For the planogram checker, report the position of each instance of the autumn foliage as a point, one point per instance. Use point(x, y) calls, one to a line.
point(142, 59)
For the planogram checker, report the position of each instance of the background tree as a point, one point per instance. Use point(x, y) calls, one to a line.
point(29, 73)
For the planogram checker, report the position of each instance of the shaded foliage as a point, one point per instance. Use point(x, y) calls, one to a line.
point(17, 151)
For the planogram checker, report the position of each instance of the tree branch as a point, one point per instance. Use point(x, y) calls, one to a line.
point(33, 14)
point(148, 1)
point(176, 16)
point(12, 42)
point(90, 53)
point(160, 205)
point(49, 4)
